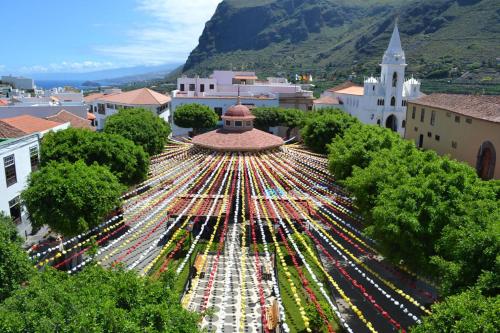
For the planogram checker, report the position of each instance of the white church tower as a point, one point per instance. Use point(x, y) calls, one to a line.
point(381, 101)
point(393, 70)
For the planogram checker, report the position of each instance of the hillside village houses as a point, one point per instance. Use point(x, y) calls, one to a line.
point(220, 91)
point(382, 101)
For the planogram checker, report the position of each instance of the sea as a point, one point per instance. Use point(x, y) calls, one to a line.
point(49, 84)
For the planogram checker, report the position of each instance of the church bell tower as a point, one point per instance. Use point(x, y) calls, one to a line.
point(393, 72)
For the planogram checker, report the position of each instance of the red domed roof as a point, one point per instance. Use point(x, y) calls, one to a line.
point(238, 111)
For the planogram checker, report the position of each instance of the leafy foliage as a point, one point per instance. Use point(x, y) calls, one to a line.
point(322, 127)
point(126, 160)
point(71, 198)
point(15, 267)
point(141, 127)
point(96, 300)
point(357, 147)
point(266, 117)
point(468, 312)
point(195, 116)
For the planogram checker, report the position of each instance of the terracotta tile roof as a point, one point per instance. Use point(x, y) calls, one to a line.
point(353, 90)
point(92, 97)
point(486, 107)
point(327, 100)
point(90, 116)
point(254, 140)
point(29, 124)
point(4, 102)
point(245, 77)
point(9, 131)
point(341, 86)
point(76, 122)
point(142, 96)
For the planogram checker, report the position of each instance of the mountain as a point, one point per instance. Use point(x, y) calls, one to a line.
point(127, 74)
point(332, 38)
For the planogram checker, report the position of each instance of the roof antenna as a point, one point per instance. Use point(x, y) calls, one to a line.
point(238, 101)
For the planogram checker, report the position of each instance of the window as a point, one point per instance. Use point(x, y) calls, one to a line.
point(373, 88)
point(437, 137)
point(101, 108)
point(238, 123)
point(248, 123)
point(394, 79)
point(9, 164)
point(454, 144)
point(228, 123)
point(192, 87)
point(393, 101)
point(15, 210)
point(403, 102)
point(429, 134)
point(457, 119)
point(34, 158)
point(468, 120)
point(433, 117)
point(422, 115)
point(95, 109)
point(212, 86)
point(378, 122)
point(413, 112)
point(416, 129)
point(202, 88)
point(110, 106)
point(448, 114)
point(404, 124)
point(183, 87)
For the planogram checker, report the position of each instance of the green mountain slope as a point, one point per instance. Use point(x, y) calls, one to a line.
point(333, 38)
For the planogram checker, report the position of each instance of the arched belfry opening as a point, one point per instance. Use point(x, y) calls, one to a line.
point(394, 79)
point(393, 101)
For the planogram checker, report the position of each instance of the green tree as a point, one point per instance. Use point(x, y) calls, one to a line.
point(266, 117)
point(15, 266)
point(292, 118)
point(196, 116)
point(468, 312)
point(71, 197)
point(125, 159)
point(357, 147)
point(322, 127)
point(142, 127)
point(96, 300)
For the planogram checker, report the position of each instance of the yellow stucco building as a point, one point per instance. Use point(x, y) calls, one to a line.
point(466, 127)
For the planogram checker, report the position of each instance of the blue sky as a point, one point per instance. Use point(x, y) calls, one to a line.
point(88, 35)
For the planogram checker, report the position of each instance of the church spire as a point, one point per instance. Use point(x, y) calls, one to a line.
point(394, 53)
point(395, 43)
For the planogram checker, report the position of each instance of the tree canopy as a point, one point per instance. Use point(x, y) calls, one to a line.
point(468, 312)
point(357, 146)
point(96, 300)
point(71, 197)
point(320, 128)
point(125, 159)
point(266, 117)
point(196, 116)
point(15, 267)
point(140, 126)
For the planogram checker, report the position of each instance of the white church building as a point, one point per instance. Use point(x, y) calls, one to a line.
point(380, 101)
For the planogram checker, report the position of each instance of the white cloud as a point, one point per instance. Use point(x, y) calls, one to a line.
point(68, 67)
point(171, 34)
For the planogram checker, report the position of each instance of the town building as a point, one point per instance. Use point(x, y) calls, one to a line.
point(237, 133)
point(109, 104)
point(466, 127)
point(382, 100)
point(75, 121)
point(19, 82)
point(44, 111)
point(220, 92)
point(18, 157)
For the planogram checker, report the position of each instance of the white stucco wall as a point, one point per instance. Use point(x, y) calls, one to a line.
point(21, 150)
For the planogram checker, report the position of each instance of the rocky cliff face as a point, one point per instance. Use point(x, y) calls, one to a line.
point(340, 35)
